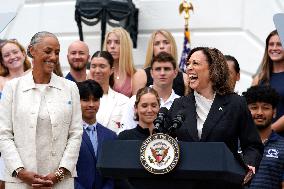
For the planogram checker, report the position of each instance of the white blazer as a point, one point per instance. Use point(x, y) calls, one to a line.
point(112, 106)
point(19, 107)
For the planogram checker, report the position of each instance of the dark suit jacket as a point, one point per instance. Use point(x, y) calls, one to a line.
point(88, 176)
point(228, 120)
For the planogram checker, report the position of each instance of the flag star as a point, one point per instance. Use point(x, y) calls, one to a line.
point(220, 109)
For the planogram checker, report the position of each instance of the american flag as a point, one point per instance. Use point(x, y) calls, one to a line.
point(186, 50)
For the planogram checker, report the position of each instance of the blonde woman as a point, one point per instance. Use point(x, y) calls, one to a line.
point(118, 43)
point(160, 41)
point(13, 61)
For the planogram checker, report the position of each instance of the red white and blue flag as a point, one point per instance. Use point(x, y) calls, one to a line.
point(185, 51)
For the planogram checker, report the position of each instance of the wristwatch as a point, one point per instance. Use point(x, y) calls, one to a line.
point(16, 172)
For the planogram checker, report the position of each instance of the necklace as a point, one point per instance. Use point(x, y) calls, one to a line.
point(116, 74)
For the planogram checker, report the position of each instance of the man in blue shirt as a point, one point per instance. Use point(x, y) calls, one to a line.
point(93, 136)
point(262, 101)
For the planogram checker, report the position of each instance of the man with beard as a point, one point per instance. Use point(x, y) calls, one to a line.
point(78, 57)
point(262, 101)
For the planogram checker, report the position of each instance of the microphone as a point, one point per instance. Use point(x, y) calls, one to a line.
point(176, 122)
point(160, 120)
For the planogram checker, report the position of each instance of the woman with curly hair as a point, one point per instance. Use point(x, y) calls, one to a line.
point(215, 114)
point(272, 74)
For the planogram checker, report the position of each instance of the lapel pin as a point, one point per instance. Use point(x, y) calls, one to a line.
point(220, 109)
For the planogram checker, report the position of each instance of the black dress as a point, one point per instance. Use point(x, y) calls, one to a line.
point(137, 133)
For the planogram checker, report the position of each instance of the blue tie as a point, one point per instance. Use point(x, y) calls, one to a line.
point(91, 132)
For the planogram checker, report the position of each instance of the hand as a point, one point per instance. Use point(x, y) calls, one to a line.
point(51, 177)
point(249, 174)
point(41, 187)
point(32, 178)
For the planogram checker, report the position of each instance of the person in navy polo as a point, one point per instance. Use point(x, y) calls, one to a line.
point(262, 101)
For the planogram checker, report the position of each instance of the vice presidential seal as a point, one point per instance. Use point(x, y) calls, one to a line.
point(159, 153)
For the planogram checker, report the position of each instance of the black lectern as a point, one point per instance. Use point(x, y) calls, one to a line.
point(200, 162)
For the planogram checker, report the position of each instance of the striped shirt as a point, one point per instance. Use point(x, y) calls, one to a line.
point(270, 174)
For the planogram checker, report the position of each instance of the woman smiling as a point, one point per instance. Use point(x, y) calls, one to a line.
point(40, 122)
point(146, 108)
point(214, 114)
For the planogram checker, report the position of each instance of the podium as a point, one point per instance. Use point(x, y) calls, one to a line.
point(199, 163)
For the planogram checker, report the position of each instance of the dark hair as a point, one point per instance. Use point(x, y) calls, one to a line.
point(37, 38)
point(164, 57)
point(262, 94)
point(234, 60)
point(218, 69)
point(106, 55)
point(90, 88)
point(140, 93)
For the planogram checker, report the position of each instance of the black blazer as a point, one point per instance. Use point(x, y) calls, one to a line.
point(228, 120)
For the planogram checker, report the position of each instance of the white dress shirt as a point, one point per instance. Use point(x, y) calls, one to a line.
point(203, 106)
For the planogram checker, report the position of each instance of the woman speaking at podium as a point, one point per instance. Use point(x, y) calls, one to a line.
point(213, 113)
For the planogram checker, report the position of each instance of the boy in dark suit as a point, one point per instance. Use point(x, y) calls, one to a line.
point(93, 136)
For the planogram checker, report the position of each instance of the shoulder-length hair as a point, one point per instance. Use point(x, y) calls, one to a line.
point(218, 69)
point(150, 48)
point(3, 69)
point(126, 63)
point(266, 63)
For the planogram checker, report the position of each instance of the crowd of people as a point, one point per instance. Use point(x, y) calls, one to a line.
point(52, 128)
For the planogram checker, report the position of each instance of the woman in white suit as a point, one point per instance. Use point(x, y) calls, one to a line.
point(40, 133)
point(113, 104)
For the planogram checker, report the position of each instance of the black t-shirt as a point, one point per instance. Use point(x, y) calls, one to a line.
point(137, 133)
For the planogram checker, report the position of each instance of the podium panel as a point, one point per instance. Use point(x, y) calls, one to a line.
point(199, 162)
